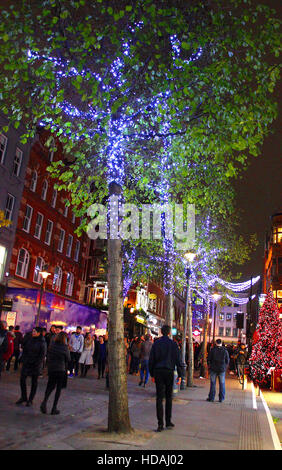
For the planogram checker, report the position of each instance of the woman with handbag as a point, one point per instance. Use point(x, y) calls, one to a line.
point(86, 357)
point(58, 357)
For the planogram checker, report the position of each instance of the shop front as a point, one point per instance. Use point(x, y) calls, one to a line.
point(54, 310)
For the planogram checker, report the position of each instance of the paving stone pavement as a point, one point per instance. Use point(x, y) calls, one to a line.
point(200, 425)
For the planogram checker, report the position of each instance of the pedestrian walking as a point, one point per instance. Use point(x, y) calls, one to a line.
point(86, 357)
point(218, 361)
point(3, 344)
point(18, 340)
point(146, 347)
point(58, 358)
point(136, 350)
point(102, 357)
point(32, 357)
point(76, 348)
point(49, 336)
point(95, 355)
point(163, 359)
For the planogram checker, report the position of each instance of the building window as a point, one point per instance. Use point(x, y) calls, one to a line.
point(66, 211)
point(69, 284)
point(44, 190)
point(3, 146)
point(235, 332)
point(22, 263)
point(277, 234)
point(9, 209)
point(57, 280)
point(73, 219)
point(228, 317)
point(61, 240)
point(33, 182)
point(220, 331)
point(38, 267)
point(76, 251)
point(69, 245)
point(221, 316)
point(48, 233)
point(3, 254)
point(27, 218)
point(38, 225)
point(54, 198)
point(17, 162)
point(227, 331)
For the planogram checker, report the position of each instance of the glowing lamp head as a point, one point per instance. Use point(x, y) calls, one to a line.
point(190, 256)
point(44, 274)
point(216, 296)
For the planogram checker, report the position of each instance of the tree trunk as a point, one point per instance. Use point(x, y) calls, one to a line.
point(118, 416)
point(169, 310)
point(190, 374)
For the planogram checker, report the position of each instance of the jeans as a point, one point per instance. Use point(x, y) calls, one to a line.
point(144, 368)
point(74, 364)
point(221, 379)
point(164, 386)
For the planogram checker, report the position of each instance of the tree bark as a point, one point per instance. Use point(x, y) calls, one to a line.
point(118, 416)
point(169, 310)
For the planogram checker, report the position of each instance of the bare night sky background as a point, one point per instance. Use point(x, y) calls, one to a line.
point(259, 192)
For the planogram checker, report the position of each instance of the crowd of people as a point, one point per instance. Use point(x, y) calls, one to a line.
point(70, 355)
point(63, 355)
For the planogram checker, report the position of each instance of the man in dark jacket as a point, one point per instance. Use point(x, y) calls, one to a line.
point(164, 356)
point(34, 349)
point(218, 361)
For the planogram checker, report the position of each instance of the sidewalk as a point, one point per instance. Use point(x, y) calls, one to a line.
point(199, 425)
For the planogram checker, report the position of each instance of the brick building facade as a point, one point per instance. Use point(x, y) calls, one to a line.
point(45, 235)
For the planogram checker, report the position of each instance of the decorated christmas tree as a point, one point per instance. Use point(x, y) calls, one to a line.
point(267, 339)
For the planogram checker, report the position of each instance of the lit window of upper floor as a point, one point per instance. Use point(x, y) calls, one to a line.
point(277, 234)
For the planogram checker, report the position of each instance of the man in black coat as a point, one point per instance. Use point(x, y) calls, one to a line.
point(218, 361)
point(34, 349)
point(164, 356)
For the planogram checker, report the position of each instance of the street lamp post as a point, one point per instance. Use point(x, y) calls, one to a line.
point(216, 297)
point(44, 274)
point(187, 319)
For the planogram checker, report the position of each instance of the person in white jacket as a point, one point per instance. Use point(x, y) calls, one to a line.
point(76, 347)
point(86, 357)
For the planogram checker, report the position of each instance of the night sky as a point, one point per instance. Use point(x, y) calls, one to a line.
point(259, 192)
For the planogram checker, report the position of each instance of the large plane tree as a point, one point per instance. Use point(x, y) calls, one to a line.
point(114, 80)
